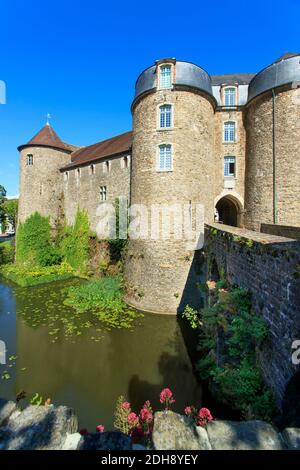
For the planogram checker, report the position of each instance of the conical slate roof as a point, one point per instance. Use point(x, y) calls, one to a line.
point(47, 137)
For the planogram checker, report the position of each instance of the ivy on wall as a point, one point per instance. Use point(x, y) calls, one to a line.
point(73, 242)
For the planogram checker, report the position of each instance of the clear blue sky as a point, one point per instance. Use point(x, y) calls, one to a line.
point(78, 60)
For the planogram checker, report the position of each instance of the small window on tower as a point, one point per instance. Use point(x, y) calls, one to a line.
point(165, 158)
point(66, 175)
point(229, 166)
point(229, 131)
point(92, 169)
point(103, 193)
point(165, 116)
point(29, 159)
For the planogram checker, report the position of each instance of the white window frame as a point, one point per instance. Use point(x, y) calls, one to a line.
point(158, 160)
point(29, 159)
point(226, 166)
point(226, 88)
point(229, 140)
point(103, 193)
point(162, 84)
point(159, 116)
point(66, 176)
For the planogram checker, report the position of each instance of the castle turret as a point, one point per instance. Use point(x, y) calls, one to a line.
point(41, 183)
point(272, 176)
point(172, 164)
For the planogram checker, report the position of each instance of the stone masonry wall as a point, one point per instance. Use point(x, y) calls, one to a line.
point(82, 189)
point(269, 267)
point(259, 156)
point(41, 185)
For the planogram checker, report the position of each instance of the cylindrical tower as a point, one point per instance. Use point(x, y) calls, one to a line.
point(172, 167)
point(272, 176)
point(41, 184)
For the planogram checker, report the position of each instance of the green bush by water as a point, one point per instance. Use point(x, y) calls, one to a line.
point(34, 244)
point(7, 252)
point(104, 298)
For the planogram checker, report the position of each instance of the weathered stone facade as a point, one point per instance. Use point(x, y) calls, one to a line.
point(81, 186)
point(191, 138)
point(267, 266)
point(259, 161)
point(41, 184)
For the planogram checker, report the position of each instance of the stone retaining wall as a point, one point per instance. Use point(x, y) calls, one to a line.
point(269, 267)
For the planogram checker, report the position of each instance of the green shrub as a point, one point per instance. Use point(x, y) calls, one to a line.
point(7, 252)
point(34, 245)
point(74, 242)
point(192, 316)
point(104, 298)
point(228, 339)
point(25, 276)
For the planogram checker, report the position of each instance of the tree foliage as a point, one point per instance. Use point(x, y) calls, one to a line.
point(34, 246)
point(11, 211)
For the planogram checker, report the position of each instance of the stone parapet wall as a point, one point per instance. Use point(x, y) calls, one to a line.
point(269, 267)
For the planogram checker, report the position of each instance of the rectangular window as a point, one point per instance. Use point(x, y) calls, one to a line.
point(165, 76)
point(165, 116)
point(66, 175)
point(229, 132)
point(230, 96)
point(92, 169)
point(103, 193)
point(229, 166)
point(29, 159)
point(165, 158)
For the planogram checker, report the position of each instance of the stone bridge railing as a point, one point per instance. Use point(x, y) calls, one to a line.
point(269, 267)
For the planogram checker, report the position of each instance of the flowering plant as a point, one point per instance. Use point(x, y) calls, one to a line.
point(166, 398)
point(201, 417)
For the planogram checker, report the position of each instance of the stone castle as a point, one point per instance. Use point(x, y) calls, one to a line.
point(228, 142)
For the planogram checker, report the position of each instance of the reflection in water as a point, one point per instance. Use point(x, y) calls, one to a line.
point(89, 370)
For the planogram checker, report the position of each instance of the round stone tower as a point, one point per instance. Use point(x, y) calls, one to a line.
point(172, 170)
point(41, 184)
point(272, 118)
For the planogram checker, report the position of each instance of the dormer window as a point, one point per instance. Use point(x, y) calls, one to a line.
point(230, 96)
point(165, 76)
point(29, 159)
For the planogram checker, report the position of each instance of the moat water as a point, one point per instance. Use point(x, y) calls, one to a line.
point(74, 361)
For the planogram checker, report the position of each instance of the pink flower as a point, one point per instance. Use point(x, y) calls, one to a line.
point(126, 405)
point(100, 428)
point(83, 431)
point(166, 397)
point(188, 410)
point(204, 413)
point(146, 415)
point(133, 419)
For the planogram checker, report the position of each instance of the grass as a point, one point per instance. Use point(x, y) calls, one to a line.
point(26, 277)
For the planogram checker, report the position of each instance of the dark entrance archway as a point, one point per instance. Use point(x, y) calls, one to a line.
point(228, 211)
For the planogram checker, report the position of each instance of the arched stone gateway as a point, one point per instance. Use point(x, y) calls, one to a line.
point(229, 211)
